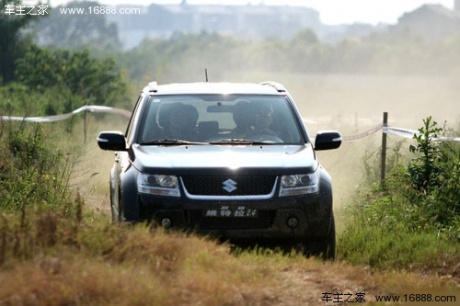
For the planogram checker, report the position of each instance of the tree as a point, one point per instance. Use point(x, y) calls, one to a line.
point(93, 80)
point(77, 31)
point(12, 43)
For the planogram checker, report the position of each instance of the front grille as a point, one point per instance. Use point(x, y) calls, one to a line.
point(214, 185)
point(196, 220)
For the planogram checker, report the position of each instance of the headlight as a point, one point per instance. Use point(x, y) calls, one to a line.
point(158, 184)
point(297, 184)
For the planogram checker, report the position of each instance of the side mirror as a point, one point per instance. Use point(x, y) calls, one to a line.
point(112, 141)
point(327, 140)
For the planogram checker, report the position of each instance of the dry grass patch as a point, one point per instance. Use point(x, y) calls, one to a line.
point(126, 265)
point(68, 280)
point(104, 264)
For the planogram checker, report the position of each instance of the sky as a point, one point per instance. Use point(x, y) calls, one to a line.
point(331, 11)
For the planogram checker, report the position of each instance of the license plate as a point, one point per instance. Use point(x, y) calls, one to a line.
point(227, 211)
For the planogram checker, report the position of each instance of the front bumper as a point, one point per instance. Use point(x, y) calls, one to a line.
point(288, 218)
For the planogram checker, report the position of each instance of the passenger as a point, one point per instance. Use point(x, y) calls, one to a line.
point(181, 122)
point(243, 117)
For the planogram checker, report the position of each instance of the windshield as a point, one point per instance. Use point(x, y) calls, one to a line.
point(219, 119)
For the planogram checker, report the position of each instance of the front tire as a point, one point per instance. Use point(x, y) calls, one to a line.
point(324, 248)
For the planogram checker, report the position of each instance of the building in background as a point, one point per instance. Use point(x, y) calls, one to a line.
point(250, 21)
point(431, 21)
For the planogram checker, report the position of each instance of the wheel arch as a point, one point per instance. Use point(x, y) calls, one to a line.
point(129, 199)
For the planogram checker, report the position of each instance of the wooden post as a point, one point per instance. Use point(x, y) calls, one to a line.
point(84, 126)
point(384, 150)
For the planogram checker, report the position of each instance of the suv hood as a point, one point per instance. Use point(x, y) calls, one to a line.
point(223, 156)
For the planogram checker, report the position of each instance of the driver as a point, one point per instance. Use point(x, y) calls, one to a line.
point(263, 121)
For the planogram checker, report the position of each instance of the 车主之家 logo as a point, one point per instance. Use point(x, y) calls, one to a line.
point(26, 10)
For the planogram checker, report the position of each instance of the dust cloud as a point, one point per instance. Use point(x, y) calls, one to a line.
point(354, 103)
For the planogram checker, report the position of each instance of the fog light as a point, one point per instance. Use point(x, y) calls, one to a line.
point(292, 222)
point(166, 222)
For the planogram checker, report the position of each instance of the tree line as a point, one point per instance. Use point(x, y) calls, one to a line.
point(82, 60)
point(45, 80)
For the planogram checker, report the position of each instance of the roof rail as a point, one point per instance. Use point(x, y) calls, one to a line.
point(279, 87)
point(153, 87)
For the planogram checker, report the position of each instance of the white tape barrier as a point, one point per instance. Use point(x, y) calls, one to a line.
point(405, 133)
point(400, 132)
point(363, 135)
point(88, 108)
point(411, 133)
point(442, 138)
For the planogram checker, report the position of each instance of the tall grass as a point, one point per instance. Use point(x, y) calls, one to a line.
point(31, 169)
point(51, 260)
point(48, 259)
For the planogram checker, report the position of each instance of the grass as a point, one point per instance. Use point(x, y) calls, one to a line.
point(100, 263)
point(93, 262)
point(381, 248)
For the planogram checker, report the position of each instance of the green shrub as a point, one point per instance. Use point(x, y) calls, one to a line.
point(414, 217)
point(31, 169)
point(434, 175)
point(424, 169)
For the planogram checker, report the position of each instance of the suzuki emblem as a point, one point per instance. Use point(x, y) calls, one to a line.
point(229, 185)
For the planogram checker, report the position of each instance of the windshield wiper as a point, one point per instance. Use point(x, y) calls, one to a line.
point(238, 141)
point(172, 142)
point(232, 141)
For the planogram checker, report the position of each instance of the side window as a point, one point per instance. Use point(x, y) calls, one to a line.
point(132, 121)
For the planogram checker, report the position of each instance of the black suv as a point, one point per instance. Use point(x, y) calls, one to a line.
point(231, 160)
